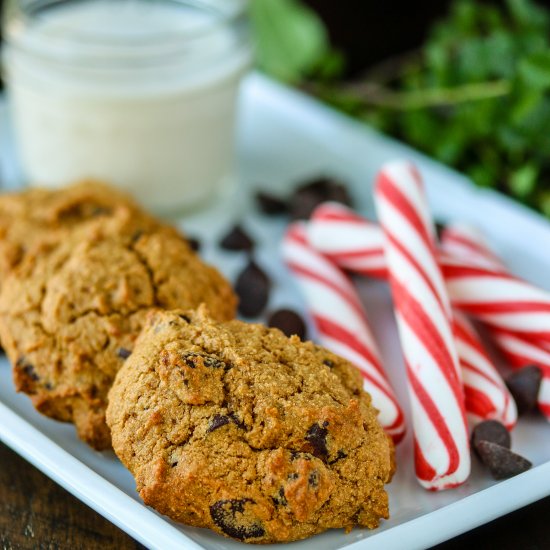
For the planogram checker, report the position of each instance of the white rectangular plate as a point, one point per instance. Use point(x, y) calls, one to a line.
point(284, 137)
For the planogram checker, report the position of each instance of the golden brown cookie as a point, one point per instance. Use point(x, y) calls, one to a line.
point(70, 312)
point(238, 428)
point(36, 216)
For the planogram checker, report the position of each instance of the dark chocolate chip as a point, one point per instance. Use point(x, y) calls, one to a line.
point(217, 421)
point(339, 456)
point(502, 462)
point(237, 239)
point(228, 516)
point(317, 437)
point(252, 288)
point(194, 243)
point(288, 321)
point(313, 479)
point(174, 464)
point(328, 363)
point(493, 431)
point(312, 193)
point(185, 318)
point(235, 419)
point(123, 353)
point(280, 499)
point(270, 204)
point(22, 365)
point(207, 360)
point(524, 385)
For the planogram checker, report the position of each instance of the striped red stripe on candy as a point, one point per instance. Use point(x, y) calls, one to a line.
point(486, 396)
point(342, 327)
point(424, 320)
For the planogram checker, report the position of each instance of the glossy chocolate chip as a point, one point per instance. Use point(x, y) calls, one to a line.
point(217, 421)
point(493, 431)
point(317, 437)
point(502, 462)
point(288, 322)
point(228, 515)
point(312, 193)
point(252, 288)
point(524, 385)
point(270, 204)
point(194, 244)
point(123, 353)
point(237, 239)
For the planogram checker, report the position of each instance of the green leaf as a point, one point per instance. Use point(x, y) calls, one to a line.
point(290, 38)
point(523, 181)
point(534, 70)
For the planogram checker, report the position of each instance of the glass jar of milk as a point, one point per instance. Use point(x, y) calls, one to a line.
point(139, 93)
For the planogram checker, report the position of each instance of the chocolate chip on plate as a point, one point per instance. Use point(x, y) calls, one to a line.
point(270, 204)
point(237, 239)
point(312, 193)
point(252, 288)
point(502, 462)
point(194, 244)
point(287, 321)
point(524, 385)
point(492, 431)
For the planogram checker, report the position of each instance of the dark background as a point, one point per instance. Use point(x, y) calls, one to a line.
point(36, 513)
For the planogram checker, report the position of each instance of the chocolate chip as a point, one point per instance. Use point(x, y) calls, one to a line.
point(313, 479)
point(235, 419)
point(524, 385)
point(185, 318)
point(252, 288)
point(310, 194)
point(227, 515)
point(270, 204)
point(501, 462)
point(280, 498)
point(28, 369)
point(174, 464)
point(328, 363)
point(123, 353)
point(288, 321)
point(493, 431)
point(237, 239)
point(207, 360)
point(339, 456)
point(194, 243)
point(317, 437)
point(218, 420)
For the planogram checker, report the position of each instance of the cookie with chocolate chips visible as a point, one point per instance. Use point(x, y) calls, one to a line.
point(236, 427)
point(71, 311)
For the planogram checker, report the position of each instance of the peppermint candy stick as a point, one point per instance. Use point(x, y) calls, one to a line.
point(424, 319)
point(357, 244)
point(491, 294)
point(341, 324)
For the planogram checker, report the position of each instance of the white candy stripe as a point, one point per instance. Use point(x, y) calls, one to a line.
point(342, 327)
point(423, 317)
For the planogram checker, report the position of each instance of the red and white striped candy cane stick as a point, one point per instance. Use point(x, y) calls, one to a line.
point(520, 353)
point(468, 243)
point(341, 324)
point(424, 320)
point(489, 293)
point(357, 244)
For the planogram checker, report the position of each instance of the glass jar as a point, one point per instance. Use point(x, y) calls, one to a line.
point(139, 93)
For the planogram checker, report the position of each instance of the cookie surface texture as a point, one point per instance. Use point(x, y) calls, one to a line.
point(71, 311)
point(237, 428)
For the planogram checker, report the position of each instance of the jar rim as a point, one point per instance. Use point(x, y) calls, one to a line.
point(224, 12)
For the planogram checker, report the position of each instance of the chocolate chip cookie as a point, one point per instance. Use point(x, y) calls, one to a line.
point(238, 428)
point(70, 311)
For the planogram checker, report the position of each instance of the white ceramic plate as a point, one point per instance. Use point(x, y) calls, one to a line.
point(283, 137)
